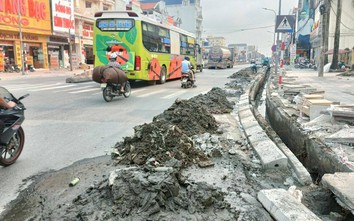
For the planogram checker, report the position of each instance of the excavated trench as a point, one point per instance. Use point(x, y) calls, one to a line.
point(192, 162)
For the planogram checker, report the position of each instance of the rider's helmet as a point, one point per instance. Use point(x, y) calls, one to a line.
point(186, 58)
point(113, 56)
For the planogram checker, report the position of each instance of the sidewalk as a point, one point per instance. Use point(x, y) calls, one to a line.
point(40, 73)
point(325, 113)
point(336, 88)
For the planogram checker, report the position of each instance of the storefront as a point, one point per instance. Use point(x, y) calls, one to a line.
point(56, 48)
point(35, 26)
point(34, 49)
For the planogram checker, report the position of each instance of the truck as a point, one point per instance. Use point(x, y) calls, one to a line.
point(221, 57)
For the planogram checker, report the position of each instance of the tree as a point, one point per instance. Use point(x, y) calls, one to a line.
point(334, 64)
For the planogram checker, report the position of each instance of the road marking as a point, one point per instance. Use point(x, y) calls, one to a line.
point(175, 94)
point(82, 91)
point(32, 86)
point(71, 89)
point(51, 88)
point(152, 93)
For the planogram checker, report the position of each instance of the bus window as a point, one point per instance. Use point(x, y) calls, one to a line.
point(155, 38)
point(187, 45)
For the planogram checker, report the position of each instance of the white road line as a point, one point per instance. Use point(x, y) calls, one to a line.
point(51, 88)
point(33, 86)
point(71, 89)
point(176, 94)
point(82, 91)
point(152, 93)
point(137, 91)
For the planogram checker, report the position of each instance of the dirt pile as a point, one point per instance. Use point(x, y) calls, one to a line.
point(169, 135)
point(154, 188)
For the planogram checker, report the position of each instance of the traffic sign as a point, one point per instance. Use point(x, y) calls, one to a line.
point(285, 23)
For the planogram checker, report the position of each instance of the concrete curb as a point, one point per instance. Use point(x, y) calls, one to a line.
point(284, 206)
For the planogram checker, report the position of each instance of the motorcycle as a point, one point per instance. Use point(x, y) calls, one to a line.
point(110, 90)
point(186, 81)
point(31, 68)
point(9, 68)
point(16, 68)
point(12, 137)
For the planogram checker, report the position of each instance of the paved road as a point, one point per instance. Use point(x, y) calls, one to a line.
point(69, 122)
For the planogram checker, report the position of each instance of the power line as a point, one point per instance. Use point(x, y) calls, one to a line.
point(341, 19)
point(247, 29)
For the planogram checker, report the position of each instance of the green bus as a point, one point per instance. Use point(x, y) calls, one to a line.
point(147, 50)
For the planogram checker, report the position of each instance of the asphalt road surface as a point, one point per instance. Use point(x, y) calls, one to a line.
point(70, 122)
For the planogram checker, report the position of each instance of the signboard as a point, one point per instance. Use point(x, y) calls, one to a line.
point(63, 16)
point(54, 59)
point(2, 65)
point(285, 23)
point(34, 16)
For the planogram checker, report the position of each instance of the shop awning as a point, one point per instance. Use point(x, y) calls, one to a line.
point(340, 51)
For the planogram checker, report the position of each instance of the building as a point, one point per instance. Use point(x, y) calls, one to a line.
point(45, 29)
point(216, 41)
point(346, 40)
point(187, 14)
point(84, 20)
point(30, 29)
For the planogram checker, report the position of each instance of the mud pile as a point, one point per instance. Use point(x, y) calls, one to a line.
point(153, 187)
point(169, 135)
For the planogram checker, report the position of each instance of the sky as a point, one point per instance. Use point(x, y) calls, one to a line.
point(227, 18)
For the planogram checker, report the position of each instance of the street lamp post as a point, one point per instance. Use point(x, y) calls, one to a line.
point(21, 42)
point(275, 17)
point(275, 40)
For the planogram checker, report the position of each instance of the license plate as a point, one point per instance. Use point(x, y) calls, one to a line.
point(103, 85)
point(184, 80)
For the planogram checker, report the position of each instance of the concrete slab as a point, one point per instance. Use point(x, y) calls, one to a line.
point(248, 122)
point(245, 113)
point(284, 207)
point(341, 184)
point(271, 157)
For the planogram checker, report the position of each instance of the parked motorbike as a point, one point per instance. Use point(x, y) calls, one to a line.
point(16, 68)
point(113, 90)
point(186, 81)
point(12, 137)
point(31, 68)
point(9, 68)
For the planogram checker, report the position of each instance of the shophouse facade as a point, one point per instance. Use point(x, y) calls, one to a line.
point(346, 39)
point(31, 19)
point(47, 27)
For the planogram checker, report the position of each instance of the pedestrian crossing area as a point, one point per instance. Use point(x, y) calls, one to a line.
point(91, 88)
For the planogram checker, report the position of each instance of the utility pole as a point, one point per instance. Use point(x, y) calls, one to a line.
point(70, 48)
point(326, 19)
point(334, 64)
point(21, 42)
point(324, 36)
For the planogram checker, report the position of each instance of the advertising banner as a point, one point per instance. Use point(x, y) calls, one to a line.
point(63, 16)
point(32, 16)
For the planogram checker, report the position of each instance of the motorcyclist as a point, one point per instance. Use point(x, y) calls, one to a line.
point(254, 66)
point(109, 74)
point(186, 69)
point(113, 60)
point(5, 104)
point(113, 63)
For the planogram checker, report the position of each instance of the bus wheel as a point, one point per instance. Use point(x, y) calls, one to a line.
point(162, 75)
